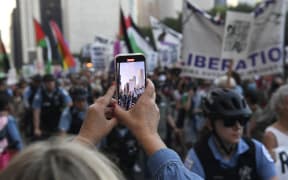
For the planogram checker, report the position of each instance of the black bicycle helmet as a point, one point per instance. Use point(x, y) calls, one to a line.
point(225, 104)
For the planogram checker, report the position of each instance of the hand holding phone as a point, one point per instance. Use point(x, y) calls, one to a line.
point(130, 77)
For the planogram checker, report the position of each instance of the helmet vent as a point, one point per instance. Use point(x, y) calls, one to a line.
point(226, 90)
point(236, 103)
point(225, 105)
point(243, 102)
point(214, 94)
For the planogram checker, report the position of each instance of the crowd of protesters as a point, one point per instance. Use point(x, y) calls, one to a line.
point(44, 106)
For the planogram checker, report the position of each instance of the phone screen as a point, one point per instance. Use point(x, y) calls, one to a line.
point(130, 78)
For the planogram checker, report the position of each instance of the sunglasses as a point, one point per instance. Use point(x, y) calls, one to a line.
point(232, 122)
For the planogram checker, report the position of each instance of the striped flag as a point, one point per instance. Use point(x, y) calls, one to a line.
point(123, 31)
point(136, 43)
point(4, 60)
point(68, 59)
point(42, 40)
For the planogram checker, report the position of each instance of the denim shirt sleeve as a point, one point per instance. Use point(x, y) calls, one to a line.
point(264, 162)
point(165, 164)
point(14, 137)
point(193, 163)
point(66, 97)
point(65, 120)
point(37, 101)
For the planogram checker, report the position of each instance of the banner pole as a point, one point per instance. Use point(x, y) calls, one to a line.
point(229, 73)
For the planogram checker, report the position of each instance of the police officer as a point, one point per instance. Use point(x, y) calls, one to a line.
point(72, 117)
point(222, 153)
point(48, 104)
point(28, 96)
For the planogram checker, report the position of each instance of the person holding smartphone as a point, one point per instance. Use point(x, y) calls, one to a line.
point(222, 153)
point(142, 119)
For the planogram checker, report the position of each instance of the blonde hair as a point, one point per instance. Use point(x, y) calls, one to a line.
point(279, 100)
point(58, 160)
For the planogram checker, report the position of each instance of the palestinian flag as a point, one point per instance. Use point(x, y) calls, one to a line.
point(123, 31)
point(4, 60)
point(43, 41)
point(136, 43)
point(40, 36)
point(136, 40)
point(68, 59)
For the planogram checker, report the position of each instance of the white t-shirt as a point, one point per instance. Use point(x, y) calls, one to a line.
point(282, 139)
point(281, 153)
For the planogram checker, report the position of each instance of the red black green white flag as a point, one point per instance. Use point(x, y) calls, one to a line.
point(4, 60)
point(43, 41)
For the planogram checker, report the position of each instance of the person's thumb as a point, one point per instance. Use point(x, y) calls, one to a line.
point(120, 113)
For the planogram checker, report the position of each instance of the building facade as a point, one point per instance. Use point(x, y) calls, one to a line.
point(16, 39)
point(157, 8)
point(83, 20)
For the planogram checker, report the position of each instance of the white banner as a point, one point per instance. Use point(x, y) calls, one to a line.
point(236, 35)
point(281, 163)
point(168, 42)
point(202, 40)
point(254, 42)
point(98, 56)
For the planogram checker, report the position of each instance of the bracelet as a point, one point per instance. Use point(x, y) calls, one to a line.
point(84, 141)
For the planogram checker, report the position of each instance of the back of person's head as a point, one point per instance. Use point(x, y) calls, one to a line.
point(58, 160)
point(48, 78)
point(4, 102)
point(78, 93)
point(279, 100)
point(252, 96)
point(222, 82)
point(221, 103)
point(275, 84)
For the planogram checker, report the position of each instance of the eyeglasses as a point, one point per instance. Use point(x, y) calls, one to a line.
point(232, 122)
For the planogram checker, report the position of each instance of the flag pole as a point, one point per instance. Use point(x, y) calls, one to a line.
point(49, 56)
point(229, 73)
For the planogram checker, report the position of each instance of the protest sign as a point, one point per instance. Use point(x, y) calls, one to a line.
point(255, 50)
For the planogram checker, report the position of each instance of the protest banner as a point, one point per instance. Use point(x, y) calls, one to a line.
point(98, 56)
point(208, 47)
point(202, 43)
point(167, 41)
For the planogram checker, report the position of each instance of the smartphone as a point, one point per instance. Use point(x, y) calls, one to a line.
point(130, 76)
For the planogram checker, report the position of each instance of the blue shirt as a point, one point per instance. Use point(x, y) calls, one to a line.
point(264, 163)
point(165, 164)
point(26, 95)
point(37, 101)
point(66, 118)
point(13, 134)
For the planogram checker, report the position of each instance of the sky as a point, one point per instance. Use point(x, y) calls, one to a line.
point(5, 20)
